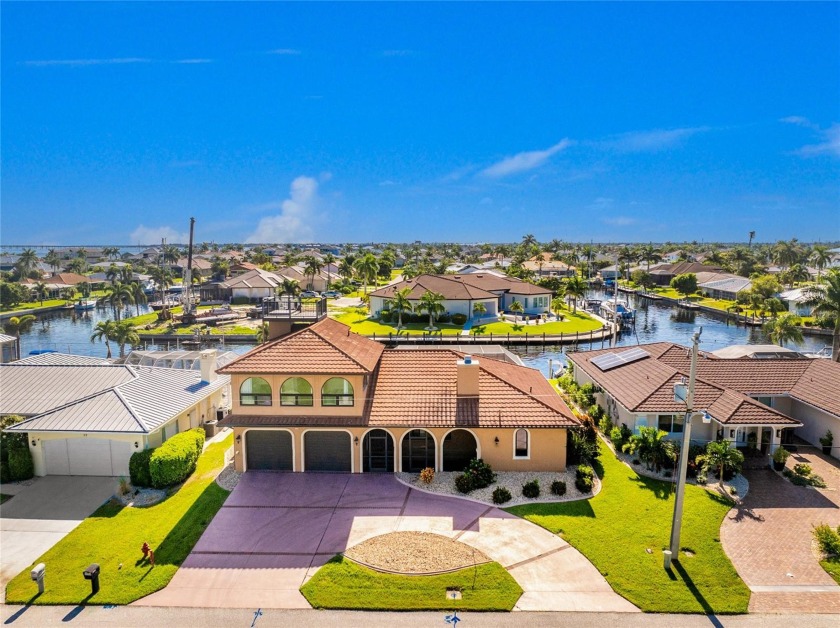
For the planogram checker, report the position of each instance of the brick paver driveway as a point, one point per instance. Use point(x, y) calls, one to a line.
point(769, 539)
point(276, 529)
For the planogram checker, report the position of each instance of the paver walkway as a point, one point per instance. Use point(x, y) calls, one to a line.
point(769, 539)
point(276, 529)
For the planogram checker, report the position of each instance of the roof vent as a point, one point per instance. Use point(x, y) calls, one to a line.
point(467, 359)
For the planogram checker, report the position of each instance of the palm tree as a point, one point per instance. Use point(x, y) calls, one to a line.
point(138, 294)
point(311, 267)
point(557, 306)
point(479, 309)
point(329, 260)
point(111, 252)
point(820, 257)
point(516, 308)
point(117, 295)
point(27, 262)
point(77, 265)
point(774, 306)
point(752, 237)
point(53, 259)
point(345, 268)
point(651, 446)
point(431, 302)
point(783, 329)
point(41, 291)
point(825, 301)
point(648, 253)
point(719, 455)
point(576, 288)
point(124, 333)
point(290, 287)
point(112, 273)
point(68, 293)
point(162, 278)
point(400, 304)
point(367, 268)
point(17, 324)
point(262, 333)
point(81, 254)
point(104, 330)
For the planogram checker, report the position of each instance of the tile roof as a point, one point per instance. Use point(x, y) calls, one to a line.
point(494, 282)
point(446, 285)
point(257, 278)
point(326, 347)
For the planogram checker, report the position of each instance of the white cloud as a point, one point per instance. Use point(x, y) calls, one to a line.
point(650, 141)
point(297, 215)
point(84, 62)
point(153, 235)
point(800, 121)
point(387, 183)
point(192, 61)
point(284, 52)
point(524, 161)
point(829, 144)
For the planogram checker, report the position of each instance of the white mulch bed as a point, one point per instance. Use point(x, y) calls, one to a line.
point(228, 478)
point(415, 553)
point(444, 484)
point(138, 497)
point(739, 482)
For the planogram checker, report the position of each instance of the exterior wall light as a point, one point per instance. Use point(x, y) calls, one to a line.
point(356, 440)
point(33, 442)
point(238, 438)
point(496, 440)
point(136, 445)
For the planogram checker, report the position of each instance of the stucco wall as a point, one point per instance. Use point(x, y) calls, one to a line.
point(815, 424)
point(377, 304)
point(316, 381)
point(547, 449)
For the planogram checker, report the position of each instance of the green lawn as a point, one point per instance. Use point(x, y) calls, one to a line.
point(832, 568)
point(632, 514)
point(4, 498)
point(342, 584)
point(579, 322)
point(112, 536)
point(362, 324)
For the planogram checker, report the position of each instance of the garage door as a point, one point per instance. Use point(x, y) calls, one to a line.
point(86, 456)
point(268, 450)
point(327, 451)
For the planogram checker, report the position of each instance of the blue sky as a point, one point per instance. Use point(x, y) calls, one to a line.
point(440, 122)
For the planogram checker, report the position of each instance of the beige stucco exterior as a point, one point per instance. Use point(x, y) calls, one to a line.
point(547, 446)
point(316, 381)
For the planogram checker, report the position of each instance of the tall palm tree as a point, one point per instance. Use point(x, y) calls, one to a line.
point(53, 259)
point(27, 262)
point(345, 268)
point(752, 237)
point(479, 309)
point(576, 288)
point(111, 252)
point(719, 455)
point(104, 330)
point(41, 291)
point(138, 294)
point(783, 329)
point(290, 287)
point(123, 334)
point(367, 267)
point(557, 305)
point(820, 257)
point(311, 267)
point(17, 324)
point(431, 302)
point(162, 278)
point(400, 304)
point(516, 308)
point(113, 273)
point(81, 254)
point(824, 298)
point(329, 260)
point(262, 333)
point(648, 253)
point(117, 295)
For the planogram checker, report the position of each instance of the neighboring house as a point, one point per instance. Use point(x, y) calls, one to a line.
point(795, 301)
point(9, 349)
point(543, 266)
point(326, 399)
point(253, 285)
point(461, 292)
point(200, 267)
point(765, 400)
point(242, 267)
point(296, 273)
point(86, 417)
point(725, 287)
point(664, 273)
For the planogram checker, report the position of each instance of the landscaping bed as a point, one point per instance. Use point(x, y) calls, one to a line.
point(415, 553)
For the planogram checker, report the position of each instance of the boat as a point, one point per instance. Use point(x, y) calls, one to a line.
point(84, 305)
point(620, 309)
point(168, 302)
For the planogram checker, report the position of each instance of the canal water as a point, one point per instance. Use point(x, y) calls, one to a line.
point(655, 322)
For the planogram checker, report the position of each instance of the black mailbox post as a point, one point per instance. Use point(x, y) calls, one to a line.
point(92, 574)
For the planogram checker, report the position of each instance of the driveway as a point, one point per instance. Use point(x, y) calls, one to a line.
point(41, 514)
point(276, 529)
point(769, 539)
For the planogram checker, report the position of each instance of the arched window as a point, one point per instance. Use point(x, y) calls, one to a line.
point(520, 443)
point(296, 391)
point(255, 391)
point(337, 391)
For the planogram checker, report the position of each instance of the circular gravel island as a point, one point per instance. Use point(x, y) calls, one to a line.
point(415, 553)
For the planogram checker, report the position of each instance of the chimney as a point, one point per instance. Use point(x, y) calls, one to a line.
point(208, 365)
point(467, 377)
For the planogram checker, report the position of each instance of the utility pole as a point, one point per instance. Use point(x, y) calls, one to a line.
point(681, 394)
point(615, 304)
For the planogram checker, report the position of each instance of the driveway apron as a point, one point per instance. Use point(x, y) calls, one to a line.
point(277, 529)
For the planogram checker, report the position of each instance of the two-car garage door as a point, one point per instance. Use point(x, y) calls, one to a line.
point(86, 456)
point(272, 450)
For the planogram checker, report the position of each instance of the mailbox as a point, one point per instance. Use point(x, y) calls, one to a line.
point(37, 575)
point(92, 574)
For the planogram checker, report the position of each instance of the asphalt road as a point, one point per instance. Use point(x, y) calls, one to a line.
point(128, 616)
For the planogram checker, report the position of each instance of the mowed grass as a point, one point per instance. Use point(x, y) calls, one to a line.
point(579, 322)
point(113, 535)
point(632, 514)
point(361, 323)
point(342, 584)
point(832, 568)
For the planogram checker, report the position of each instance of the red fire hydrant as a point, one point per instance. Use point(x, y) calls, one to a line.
point(146, 549)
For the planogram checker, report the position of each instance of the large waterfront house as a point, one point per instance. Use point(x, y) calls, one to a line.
point(761, 402)
point(86, 416)
point(326, 399)
point(461, 292)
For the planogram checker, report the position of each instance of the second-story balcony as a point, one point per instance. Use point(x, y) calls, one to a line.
point(294, 308)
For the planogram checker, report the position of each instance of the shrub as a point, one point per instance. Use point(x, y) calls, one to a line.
point(781, 455)
point(481, 472)
point(138, 468)
point(385, 316)
point(427, 475)
point(501, 495)
point(240, 301)
point(175, 460)
point(558, 487)
point(4, 472)
point(817, 481)
point(531, 489)
point(446, 317)
point(802, 469)
point(584, 478)
point(464, 483)
point(616, 438)
point(586, 395)
point(125, 487)
point(20, 464)
point(828, 539)
point(459, 319)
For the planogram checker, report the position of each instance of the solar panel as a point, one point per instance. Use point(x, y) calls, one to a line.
point(609, 361)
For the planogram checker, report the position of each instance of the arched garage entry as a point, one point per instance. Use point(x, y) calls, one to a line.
point(459, 447)
point(327, 450)
point(268, 450)
point(378, 452)
point(418, 451)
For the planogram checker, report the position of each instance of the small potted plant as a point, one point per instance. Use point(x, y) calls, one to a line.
point(826, 442)
point(780, 456)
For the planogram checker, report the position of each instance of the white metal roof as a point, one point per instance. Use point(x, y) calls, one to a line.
point(63, 359)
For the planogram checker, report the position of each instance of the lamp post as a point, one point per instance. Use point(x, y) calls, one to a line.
point(686, 395)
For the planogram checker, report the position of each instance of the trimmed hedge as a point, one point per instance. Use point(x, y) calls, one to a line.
point(459, 319)
point(138, 468)
point(174, 461)
point(21, 466)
